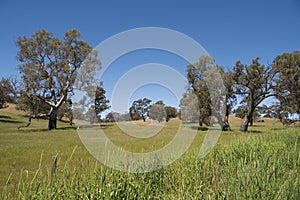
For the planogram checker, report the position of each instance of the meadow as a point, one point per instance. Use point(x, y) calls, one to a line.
point(263, 163)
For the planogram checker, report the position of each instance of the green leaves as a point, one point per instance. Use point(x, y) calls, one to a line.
point(49, 65)
point(254, 83)
point(140, 109)
point(288, 80)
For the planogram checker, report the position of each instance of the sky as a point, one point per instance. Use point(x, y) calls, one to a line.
point(228, 30)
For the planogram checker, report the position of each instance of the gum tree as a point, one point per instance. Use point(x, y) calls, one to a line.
point(288, 81)
point(49, 67)
point(254, 83)
point(214, 90)
point(140, 109)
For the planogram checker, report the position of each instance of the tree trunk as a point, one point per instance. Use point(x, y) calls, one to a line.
point(251, 122)
point(200, 123)
point(224, 123)
point(244, 126)
point(226, 126)
point(52, 118)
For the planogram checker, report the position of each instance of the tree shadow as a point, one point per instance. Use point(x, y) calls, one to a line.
point(102, 126)
point(285, 127)
point(200, 128)
point(45, 129)
point(254, 131)
point(8, 119)
point(5, 117)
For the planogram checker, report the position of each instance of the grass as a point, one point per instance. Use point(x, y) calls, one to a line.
point(261, 164)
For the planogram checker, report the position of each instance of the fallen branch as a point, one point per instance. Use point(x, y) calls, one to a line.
point(29, 120)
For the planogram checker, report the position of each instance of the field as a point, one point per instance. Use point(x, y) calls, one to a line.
point(261, 164)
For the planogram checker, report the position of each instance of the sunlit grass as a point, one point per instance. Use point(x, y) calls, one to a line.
point(260, 164)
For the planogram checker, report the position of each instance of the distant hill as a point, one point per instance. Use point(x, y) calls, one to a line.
point(11, 109)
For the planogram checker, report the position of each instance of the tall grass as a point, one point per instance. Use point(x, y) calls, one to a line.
point(259, 167)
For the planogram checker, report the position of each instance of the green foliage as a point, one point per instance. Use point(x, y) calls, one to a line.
point(171, 112)
point(157, 112)
point(6, 91)
point(196, 78)
point(189, 108)
point(101, 103)
point(140, 109)
point(254, 83)
point(32, 105)
point(288, 81)
point(49, 67)
point(65, 111)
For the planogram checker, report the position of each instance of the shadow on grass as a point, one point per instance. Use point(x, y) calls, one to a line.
point(28, 129)
point(255, 131)
point(5, 117)
point(102, 126)
point(285, 127)
point(200, 128)
point(8, 119)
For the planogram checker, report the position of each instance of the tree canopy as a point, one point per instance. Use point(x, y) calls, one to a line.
point(288, 81)
point(140, 109)
point(49, 67)
point(254, 83)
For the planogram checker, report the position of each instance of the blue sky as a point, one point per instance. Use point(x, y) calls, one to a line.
point(229, 30)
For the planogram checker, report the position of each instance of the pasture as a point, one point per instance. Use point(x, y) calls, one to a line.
point(263, 163)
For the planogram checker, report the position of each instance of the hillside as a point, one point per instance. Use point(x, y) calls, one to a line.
point(11, 109)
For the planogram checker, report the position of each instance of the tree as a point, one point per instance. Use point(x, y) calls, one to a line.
point(157, 111)
point(6, 92)
point(230, 96)
point(254, 83)
point(171, 112)
point(16, 88)
point(101, 102)
point(215, 98)
point(241, 111)
point(140, 109)
point(189, 108)
point(65, 110)
point(49, 67)
point(34, 106)
point(196, 78)
point(288, 81)
point(113, 117)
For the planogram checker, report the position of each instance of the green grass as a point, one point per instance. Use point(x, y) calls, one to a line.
point(261, 164)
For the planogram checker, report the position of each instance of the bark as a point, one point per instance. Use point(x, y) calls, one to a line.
point(245, 124)
point(226, 126)
point(52, 118)
point(224, 123)
point(251, 122)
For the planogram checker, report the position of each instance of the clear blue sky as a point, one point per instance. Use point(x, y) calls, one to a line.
point(229, 30)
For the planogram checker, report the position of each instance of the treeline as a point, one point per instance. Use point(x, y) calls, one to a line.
point(52, 69)
point(251, 83)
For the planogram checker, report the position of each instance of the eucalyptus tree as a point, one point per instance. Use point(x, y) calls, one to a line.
point(288, 81)
point(254, 83)
point(214, 90)
point(6, 92)
point(199, 86)
point(49, 67)
point(140, 109)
